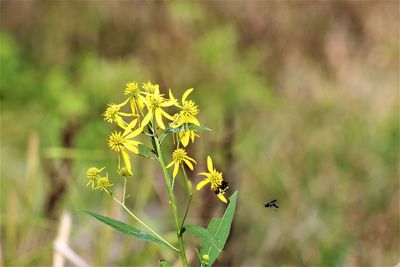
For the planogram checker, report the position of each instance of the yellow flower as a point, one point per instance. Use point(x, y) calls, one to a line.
point(189, 109)
point(215, 179)
point(179, 156)
point(185, 136)
point(122, 142)
point(150, 88)
point(112, 114)
point(155, 102)
point(136, 98)
point(93, 174)
point(103, 183)
point(188, 113)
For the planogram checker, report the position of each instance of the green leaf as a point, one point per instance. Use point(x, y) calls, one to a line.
point(186, 127)
point(146, 152)
point(126, 228)
point(203, 234)
point(219, 229)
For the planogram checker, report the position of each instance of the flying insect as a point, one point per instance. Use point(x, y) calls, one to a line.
point(272, 204)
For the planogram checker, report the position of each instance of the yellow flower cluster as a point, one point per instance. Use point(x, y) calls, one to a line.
point(146, 112)
point(147, 109)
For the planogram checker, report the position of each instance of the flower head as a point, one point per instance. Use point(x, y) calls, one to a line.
point(124, 172)
point(122, 142)
point(179, 156)
point(93, 174)
point(113, 114)
point(189, 109)
point(188, 113)
point(103, 183)
point(150, 88)
point(136, 98)
point(213, 177)
point(132, 89)
point(155, 102)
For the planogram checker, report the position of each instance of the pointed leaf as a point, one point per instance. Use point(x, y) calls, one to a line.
point(219, 229)
point(126, 228)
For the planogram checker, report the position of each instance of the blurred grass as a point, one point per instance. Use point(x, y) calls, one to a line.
point(302, 100)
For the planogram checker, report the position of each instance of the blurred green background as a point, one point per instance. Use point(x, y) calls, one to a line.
point(302, 98)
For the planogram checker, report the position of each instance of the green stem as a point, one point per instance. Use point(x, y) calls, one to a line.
point(172, 201)
point(188, 183)
point(124, 192)
point(186, 212)
point(141, 222)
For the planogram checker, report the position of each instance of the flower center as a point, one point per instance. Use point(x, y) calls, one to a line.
point(215, 179)
point(190, 108)
point(179, 155)
point(115, 141)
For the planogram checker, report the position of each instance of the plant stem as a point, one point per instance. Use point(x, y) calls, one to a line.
point(186, 212)
point(124, 192)
point(188, 183)
point(141, 222)
point(172, 201)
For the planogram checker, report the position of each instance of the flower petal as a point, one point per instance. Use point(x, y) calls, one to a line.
point(123, 103)
point(222, 198)
point(131, 142)
point(134, 133)
point(202, 184)
point(186, 94)
point(147, 118)
point(209, 164)
point(120, 122)
point(141, 101)
point(131, 147)
point(171, 97)
point(159, 118)
point(193, 120)
point(168, 103)
point(133, 106)
point(176, 168)
point(127, 160)
point(165, 114)
point(189, 158)
point(189, 164)
point(170, 164)
point(184, 139)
